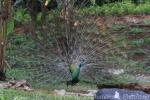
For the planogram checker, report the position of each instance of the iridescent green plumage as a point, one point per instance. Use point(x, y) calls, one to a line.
point(75, 72)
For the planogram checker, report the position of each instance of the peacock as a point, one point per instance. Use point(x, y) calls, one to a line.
point(79, 53)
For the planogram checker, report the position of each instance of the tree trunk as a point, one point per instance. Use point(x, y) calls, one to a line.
point(4, 17)
point(2, 46)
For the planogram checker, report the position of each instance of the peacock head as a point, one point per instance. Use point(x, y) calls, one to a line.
point(81, 63)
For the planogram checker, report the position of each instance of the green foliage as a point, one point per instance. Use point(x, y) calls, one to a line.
point(20, 15)
point(136, 30)
point(117, 80)
point(17, 73)
point(3, 98)
point(10, 26)
point(118, 27)
point(139, 51)
point(139, 42)
point(137, 1)
point(125, 79)
point(147, 22)
point(147, 40)
point(120, 8)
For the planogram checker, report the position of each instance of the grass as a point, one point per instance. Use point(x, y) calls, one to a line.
point(117, 27)
point(139, 42)
point(140, 51)
point(120, 8)
point(20, 74)
point(147, 22)
point(22, 95)
point(136, 30)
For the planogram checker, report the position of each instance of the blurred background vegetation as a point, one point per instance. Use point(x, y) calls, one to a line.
point(29, 46)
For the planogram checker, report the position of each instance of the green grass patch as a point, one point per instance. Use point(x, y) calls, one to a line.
point(139, 42)
point(22, 95)
point(136, 30)
point(121, 79)
point(147, 22)
point(139, 50)
point(120, 8)
point(117, 27)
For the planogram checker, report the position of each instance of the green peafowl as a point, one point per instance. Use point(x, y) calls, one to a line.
point(71, 48)
point(81, 55)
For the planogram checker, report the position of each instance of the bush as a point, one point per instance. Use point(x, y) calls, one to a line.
point(118, 8)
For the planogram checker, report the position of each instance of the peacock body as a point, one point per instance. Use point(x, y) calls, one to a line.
point(75, 72)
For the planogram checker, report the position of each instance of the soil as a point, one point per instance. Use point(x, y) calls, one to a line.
point(138, 36)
